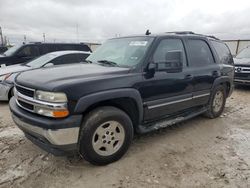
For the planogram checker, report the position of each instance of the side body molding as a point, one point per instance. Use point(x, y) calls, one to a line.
point(88, 100)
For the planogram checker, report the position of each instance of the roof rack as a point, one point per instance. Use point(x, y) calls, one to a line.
point(192, 33)
point(181, 32)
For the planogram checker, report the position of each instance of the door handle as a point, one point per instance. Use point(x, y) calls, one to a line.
point(189, 77)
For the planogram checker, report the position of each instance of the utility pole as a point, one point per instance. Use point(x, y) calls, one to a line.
point(43, 37)
point(24, 38)
point(77, 34)
point(1, 36)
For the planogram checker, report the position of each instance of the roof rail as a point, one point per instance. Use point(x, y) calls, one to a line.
point(182, 32)
point(213, 37)
point(35, 42)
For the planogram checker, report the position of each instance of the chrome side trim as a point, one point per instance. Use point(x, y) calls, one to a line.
point(178, 101)
point(168, 103)
point(202, 95)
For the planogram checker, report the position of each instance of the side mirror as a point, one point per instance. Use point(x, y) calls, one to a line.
point(48, 65)
point(173, 62)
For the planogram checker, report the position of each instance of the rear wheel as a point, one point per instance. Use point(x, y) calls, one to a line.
point(105, 136)
point(217, 102)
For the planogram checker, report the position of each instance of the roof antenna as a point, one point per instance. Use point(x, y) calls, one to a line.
point(148, 32)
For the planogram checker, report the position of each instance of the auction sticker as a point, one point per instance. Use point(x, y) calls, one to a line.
point(138, 43)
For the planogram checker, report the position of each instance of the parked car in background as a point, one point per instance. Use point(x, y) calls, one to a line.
point(26, 52)
point(132, 84)
point(242, 67)
point(8, 74)
point(3, 49)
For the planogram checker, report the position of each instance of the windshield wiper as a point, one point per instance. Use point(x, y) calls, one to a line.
point(107, 62)
point(88, 61)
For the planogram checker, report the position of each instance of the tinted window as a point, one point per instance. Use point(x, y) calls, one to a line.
point(67, 47)
point(82, 57)
point(46, 48)
point(83, 48)
point(67, 59)
point(245, 53)
point(199, 53)
point(223, 52)
point(29, 51)
point(168, 45)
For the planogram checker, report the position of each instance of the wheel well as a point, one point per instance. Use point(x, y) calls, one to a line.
point(227, 86)
point(127, 105)
point(10, 94)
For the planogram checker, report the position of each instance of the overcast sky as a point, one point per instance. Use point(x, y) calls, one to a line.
point(98, 20)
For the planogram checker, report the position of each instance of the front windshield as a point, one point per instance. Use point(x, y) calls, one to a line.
point(41, 61)
point(12, 50)
point(245, 53)
point(124, 52)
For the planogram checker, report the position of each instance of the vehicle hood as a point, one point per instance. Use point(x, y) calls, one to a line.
point(242, 61)
point(52, 78)
point(13, 69)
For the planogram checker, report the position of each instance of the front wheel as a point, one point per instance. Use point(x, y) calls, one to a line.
point(216, 102)
point(105, 136)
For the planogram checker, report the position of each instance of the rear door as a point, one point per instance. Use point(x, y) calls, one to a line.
point(204, 69)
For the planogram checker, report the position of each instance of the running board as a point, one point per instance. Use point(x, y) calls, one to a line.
point(168, 122)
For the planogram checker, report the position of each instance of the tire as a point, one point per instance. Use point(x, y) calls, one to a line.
point(105, 135)
point(216, 102)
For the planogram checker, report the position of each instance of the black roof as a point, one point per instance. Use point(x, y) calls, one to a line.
point(55, 43)
point(176, 33)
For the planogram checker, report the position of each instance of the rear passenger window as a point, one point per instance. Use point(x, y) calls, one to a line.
point(167, 45)
point(67, 59)
point(223, 52)
point(199, 53)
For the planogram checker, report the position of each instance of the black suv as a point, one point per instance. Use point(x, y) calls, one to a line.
point(26, 52)
point(128, 85)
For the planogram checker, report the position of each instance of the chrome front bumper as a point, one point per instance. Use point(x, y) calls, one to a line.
point(4, 91)
point(56, 137)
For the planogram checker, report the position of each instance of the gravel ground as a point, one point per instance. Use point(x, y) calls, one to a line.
point(197, 153)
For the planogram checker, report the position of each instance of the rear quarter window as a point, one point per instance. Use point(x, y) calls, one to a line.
point(223, 52)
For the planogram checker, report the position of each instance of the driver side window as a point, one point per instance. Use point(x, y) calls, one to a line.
point(168, 45)
point(29, 51)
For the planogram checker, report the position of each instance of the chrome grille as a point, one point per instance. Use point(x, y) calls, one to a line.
point(22, 94)
point(25, 91)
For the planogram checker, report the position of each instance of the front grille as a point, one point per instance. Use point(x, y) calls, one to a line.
point(25, 91)
point(244, 76)
point(26, 105)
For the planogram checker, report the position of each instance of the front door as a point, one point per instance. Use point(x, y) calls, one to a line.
point(165, 94)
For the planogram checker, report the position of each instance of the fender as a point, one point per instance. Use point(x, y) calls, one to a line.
point(88, 100)
point(221, 80)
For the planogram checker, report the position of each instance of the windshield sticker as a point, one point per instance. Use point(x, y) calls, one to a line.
point(138, 43)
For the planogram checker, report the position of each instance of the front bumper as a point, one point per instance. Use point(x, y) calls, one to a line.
point(241, 81)
point(5, 88)
point(57, 136)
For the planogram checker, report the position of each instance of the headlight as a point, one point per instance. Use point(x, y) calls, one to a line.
point(60, 113)
point(50, 96)
point(5, 76)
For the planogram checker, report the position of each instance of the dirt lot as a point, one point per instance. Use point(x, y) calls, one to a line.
point(198, 153)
